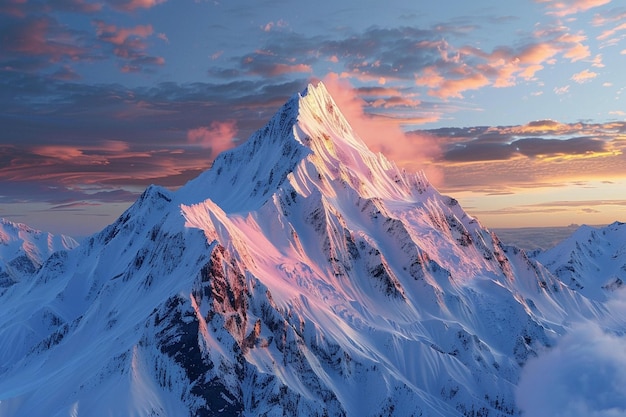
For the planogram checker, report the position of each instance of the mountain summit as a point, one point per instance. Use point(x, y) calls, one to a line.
point(301, 275)
point(307, 136)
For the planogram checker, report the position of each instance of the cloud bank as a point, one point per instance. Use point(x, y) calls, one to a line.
point(584, 375)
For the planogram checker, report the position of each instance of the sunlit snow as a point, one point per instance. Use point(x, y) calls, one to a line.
point(301, 275)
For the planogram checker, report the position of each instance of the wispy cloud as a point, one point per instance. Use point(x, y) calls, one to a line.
point(128, 45)
point(269, 26)
point(563, 8)
point(131, 5)
point(584, 76)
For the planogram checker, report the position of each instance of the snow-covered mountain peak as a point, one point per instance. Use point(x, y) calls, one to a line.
point(339, 152)
point(592, 260)
point(307, 137)
point(301, 275)
point(24, 249)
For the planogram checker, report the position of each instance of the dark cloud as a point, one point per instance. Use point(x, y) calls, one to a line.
point(376, 52)
point(37, 42)
point(478, 152)
point(506, 142)
point(492, 149)
point(76, 6)
point(533, 147)
point(37, 36)
point(434, 58)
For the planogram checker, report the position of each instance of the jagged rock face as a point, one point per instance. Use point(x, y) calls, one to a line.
point(301, 275)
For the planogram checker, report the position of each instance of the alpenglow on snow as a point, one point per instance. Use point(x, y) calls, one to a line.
point(302, 275)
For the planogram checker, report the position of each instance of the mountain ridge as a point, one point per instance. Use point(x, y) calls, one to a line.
point(280, 283)
point(23, 250)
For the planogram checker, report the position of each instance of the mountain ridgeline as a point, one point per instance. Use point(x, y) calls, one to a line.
point(302, 275)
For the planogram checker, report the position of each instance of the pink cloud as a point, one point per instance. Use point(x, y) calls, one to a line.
point(584, 76)
point(429, 78)
point(454, 88)
point(59, 152)
point(537, 53)
point(382, 134)
point(218, 136)
point(43, 36)
point(445, 88)
point(87, 154)
point(611, 32)
point(129, 45)
point(597, 61)
point(119, 36)
point(601, 20)
point(132, 5)
point(563, 8)
point(271, 25)
point(280, 69)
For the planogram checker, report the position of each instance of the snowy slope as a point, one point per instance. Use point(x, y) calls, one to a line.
point(591, 261)
point(23, 250)
point(301, 275)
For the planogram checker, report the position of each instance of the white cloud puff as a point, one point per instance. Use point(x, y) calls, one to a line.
point(584, 375)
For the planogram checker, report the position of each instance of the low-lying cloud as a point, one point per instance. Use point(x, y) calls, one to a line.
point(584, 375)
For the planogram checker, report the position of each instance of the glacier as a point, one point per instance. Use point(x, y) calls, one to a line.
point(302, 274)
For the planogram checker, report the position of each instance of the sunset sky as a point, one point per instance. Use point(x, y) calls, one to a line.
point(515, 108)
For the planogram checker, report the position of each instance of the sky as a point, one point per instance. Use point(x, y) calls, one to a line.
point(514, 108)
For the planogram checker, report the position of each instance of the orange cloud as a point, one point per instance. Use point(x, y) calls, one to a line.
point(503, 66)
point(610, 32)
point(452, 88)
point(429, 78)
point(218, 136)
point(537, 53)
point(584, 76)
point(563, 8)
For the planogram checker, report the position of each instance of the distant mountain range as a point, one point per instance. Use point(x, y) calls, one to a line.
point(302, 275)
point(23, 250)
point(535, 238)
